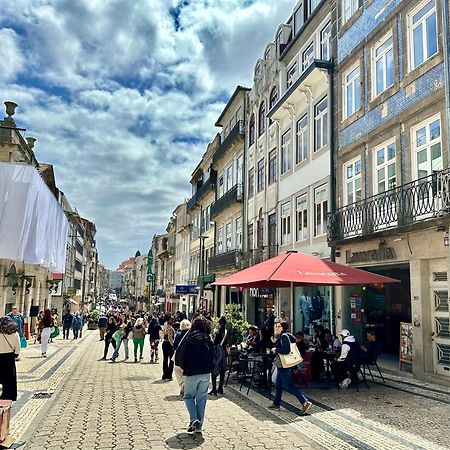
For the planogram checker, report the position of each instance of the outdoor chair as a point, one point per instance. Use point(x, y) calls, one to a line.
point(355, 380)
point(234, 364)
point(375, 364)
point(255, 369)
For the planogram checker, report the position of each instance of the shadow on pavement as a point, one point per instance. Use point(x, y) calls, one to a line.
point(173, 398)
point(181, 440)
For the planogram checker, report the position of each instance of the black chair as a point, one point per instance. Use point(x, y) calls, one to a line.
point(234, 364)
point(372, 363)
point(354, 377)
point(255, 369)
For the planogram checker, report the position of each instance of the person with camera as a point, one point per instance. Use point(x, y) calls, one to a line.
point(9, 352)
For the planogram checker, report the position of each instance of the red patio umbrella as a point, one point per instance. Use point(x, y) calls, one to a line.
point(297, 269)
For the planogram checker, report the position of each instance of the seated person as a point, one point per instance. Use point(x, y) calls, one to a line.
point(301, 344)
point(348, 362)
point(253, 340)
point(317, 358)
point(372, 350)
point(332, 342)
point(319, 338)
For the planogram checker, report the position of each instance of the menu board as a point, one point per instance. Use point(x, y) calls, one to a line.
point(355, 308)
point(406, 343)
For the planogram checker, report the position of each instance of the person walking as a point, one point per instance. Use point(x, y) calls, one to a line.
point(284, 376)
point(220, 357)
point(18, 319)
point(138, 338)
point(126, 328)
point(9, 352)
point(111, 328)
point(167, 348)
point(67, 320)
point(185, 326)
point(102, 323)
point(45, 326)
point(76, 325)
point(154, 329)
point(196, 360)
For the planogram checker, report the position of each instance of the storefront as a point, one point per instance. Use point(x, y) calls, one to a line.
point(260, 302)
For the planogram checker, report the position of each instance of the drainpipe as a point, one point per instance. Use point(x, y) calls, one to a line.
point(446, 49)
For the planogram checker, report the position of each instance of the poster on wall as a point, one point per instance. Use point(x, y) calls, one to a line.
point(406, 343)
point(355, 309)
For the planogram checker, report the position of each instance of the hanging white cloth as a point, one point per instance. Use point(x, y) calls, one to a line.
point(33, 226)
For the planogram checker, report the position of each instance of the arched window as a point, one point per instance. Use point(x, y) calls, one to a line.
point(273, 97)
point(251, 130)
point(262, 118)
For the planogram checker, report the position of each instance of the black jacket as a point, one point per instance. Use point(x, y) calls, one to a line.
point(153, 329)
point(196, 354)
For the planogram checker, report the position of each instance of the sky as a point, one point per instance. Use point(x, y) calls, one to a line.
point(122, 97)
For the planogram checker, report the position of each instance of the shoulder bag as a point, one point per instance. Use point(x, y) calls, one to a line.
point(293, 358)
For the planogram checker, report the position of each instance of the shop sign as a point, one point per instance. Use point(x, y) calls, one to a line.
point(382, 253)
point(261, 293)
point(186, 289)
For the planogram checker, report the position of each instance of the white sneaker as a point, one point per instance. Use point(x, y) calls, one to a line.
point(345, 383)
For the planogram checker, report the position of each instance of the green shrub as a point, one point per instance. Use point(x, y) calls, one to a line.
point(94, 315)
point(236, 326)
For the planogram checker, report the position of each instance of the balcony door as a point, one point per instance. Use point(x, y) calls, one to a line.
point(272, 238)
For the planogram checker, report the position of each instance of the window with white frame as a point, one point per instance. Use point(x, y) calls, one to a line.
point(251, 182)
point(320, 124)
point(239, 169)
point(349, 7)
point(239, 233)
point(272, 169)
point(320, 210)
point(352, 181)
point(383, 65)
point(298, 18)
point(423, 33)
point(286, 223)
point(352, 91)
point(286, 152)
point(221, 191)
point(427, 147)
point(302, 218)
point(291, 75)
point(308, 56)
point(313, 4)
point(220, 240)
point(229, 178)
point(301, 151)
point(228, 237)
point(325, 42)
point(385, 177)
point(260, 179)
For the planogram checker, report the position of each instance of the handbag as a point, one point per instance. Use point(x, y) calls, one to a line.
point(130, 335)
point(117, 336)
point(23, 342)
point(293, 358)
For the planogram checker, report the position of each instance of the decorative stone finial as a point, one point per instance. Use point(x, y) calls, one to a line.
point(11, 108)
point(31, 141)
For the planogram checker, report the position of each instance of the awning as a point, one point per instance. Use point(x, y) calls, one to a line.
point(293, 268)
point(33, 226)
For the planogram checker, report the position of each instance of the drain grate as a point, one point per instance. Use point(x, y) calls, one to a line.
point(42, 395)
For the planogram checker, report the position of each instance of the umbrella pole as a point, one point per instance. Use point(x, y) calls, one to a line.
point(292, 305)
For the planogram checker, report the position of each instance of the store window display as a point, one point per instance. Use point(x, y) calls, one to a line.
point(312, 307)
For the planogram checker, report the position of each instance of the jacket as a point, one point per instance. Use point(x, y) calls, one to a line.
point(351, 353)
point(283, 346)
point(102, 322)
point(153, 329)
point(197, 353)
point(139, 332)
point(67, 320)
point(77, 322)
point(178, 338)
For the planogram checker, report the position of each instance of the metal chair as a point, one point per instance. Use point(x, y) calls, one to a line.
point(373, 363)
point(255, 366)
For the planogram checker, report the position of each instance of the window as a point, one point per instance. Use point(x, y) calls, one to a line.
point(349, 7)
point(286, 152)
point(320, 125)
point(260, 183)
point(251, 183)
point(257, 69)
point(320, 210)
point(229, 178)
point(302, 218)
point(385, 167)
point(250, 236)
point(240, 170)
point(423, 35)
point(298, 18)
point(352, 91)
point(325, 42)
point(301, 151)
point(262, 118)
point(228, 235)
point(219, 240)
point(291, 75)
point(251, 130)
point(427, 147)
point(308, 56)
point(267, 53)
point(383, 65)
point(273, 97)
point(221, 192)
point(285, 223)
point(352, 181)
point(272, 166)
point(313, 4)
point(239, 233)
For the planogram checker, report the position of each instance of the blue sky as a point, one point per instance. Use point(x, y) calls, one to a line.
point(122, 96)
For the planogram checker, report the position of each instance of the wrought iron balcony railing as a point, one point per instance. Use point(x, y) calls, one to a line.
point(257, 255)
point(222, 260)
point(414, 202)
point(201, 191)
point(234, 195)
point(237, 131)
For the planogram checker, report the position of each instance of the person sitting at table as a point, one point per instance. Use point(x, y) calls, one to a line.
point(349, 360)
point(317, 358)
point(332, 342)
point(253, 340)
point(301, 344)
point(372, 350)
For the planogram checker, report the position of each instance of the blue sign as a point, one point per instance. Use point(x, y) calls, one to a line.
point(185, 289)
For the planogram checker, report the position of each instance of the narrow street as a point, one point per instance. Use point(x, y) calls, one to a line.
point(72, 400)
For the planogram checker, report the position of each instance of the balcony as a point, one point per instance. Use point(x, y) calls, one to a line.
point(233, 196)
point(206, 187)
point(400, 208)
point(236, 132)
point(257, 255)
point(224, 260)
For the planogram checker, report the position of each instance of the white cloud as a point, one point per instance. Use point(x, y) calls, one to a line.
point(10, 55)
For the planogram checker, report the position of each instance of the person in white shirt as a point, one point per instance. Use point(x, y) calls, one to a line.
point(9, 351)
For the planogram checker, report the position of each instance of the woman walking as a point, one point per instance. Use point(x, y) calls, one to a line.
point(76, 325)
point(196, 359)
point(185, 326)
point(220, 357)
point(167, 348)
point(284, 376)
point(138, 338)
point(111, 328)
point(45, 325)
point(9, 351)
point(153, 331)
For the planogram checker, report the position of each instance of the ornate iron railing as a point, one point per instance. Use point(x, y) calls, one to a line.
point(234, 195)
point(227, 259)
point(257, 255)
point(422, 199)
point(201, 191)
point(235, 132)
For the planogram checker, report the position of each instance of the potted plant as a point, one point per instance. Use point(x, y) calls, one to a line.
point(237, 326)
point(93, 320)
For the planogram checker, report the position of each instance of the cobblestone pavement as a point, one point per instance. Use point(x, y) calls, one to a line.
point(103, 405)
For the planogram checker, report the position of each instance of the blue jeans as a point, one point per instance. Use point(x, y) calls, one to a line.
point(115, 355)
point(284, 380)
point(195, 395)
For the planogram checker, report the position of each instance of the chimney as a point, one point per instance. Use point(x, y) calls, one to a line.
point(10, 111)
point(31, 141)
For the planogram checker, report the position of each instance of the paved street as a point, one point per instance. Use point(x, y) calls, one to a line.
point(100, 405)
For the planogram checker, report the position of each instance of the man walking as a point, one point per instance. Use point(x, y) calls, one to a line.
point(102, 323)
point(67, 320)
point(76, 325)
point(17, 318)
